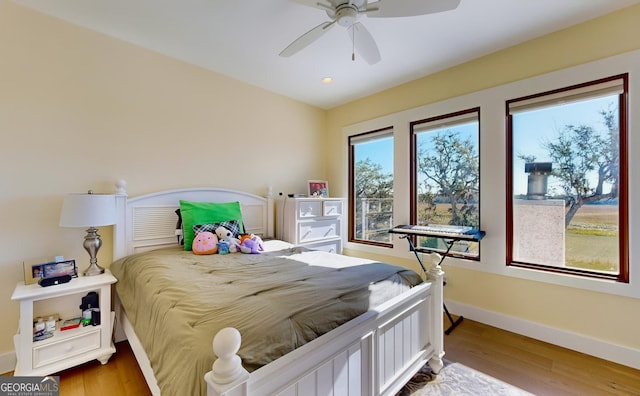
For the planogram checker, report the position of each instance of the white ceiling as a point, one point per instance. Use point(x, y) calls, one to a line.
point(242, 38)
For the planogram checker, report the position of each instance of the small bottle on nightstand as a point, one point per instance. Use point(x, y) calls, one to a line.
point(50, 325)
point(39, 326)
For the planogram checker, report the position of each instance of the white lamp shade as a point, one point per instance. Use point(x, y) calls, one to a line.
point(88, 210)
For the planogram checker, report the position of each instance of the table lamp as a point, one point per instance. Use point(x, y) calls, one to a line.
point(89, 210)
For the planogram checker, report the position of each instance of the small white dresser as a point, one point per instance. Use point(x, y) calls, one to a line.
point(316, 223)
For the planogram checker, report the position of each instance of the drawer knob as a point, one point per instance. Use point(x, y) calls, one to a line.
point(68, 348)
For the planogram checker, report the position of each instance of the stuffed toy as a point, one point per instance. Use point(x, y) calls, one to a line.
point(258, 240)
point(249, 246)
point(224, 234)
point(205, 243)
point(223, 247)
point(250, 243)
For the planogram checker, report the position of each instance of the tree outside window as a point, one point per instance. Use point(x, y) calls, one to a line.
point(446, 177)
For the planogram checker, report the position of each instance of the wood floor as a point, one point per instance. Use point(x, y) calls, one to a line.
point(121, 376)
point(534, 366)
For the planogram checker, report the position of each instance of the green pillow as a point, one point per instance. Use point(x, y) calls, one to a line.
point(194, 213)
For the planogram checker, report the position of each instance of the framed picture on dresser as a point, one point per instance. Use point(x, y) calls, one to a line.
point(318, 188)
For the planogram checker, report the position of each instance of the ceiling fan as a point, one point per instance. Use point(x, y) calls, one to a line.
point(346, 12)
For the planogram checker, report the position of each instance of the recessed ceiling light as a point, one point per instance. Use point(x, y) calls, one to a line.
point(327, 80)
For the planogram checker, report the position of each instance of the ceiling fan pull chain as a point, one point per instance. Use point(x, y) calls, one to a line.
point(353, 44)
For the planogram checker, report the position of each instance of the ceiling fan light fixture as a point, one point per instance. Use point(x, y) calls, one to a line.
point(327, 80)
point(346, 15)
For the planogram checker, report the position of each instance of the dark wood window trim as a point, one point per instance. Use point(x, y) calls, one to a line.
point(352, 197)
point(623, 206)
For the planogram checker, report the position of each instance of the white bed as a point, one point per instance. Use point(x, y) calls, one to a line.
point(373, 354)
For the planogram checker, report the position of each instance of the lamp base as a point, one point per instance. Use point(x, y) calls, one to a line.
point(94, 269)
point(91, 244)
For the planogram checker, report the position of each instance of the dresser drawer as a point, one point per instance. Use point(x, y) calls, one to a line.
point(331, 246)
point(332, 208)
point(321, 229)
point(56, 351)
point(307, 209)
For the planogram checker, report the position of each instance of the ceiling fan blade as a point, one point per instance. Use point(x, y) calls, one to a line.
point(404, 8)
point(307, 38)
point(321, 4)
point(364, 43)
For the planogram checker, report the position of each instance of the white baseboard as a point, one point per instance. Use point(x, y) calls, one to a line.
point(7, 362)
point(577, 342)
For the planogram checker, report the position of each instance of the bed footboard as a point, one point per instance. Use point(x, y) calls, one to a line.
point(374, 354)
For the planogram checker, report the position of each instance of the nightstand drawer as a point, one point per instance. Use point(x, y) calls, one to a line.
point(57, 351)
point(307, 209)
point(332, 208)
point(321, 229)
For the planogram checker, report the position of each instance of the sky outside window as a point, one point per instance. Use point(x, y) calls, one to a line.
point(379, 151)
point(533, 129)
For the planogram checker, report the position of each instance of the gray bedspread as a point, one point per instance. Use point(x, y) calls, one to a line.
point(278, 300)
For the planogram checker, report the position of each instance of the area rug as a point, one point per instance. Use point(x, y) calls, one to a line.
point(456, 379)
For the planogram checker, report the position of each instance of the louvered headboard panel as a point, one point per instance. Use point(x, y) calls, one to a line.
point(149, 221)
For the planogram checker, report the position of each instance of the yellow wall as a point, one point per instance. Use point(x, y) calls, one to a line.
point(601, 316)
point(79, 110)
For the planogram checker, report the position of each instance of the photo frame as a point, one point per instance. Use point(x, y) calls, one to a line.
point(33, 269)
point(38, 269)
point(67, 267)
point(318, 188)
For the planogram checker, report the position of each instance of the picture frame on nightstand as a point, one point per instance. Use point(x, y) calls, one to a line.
point(60, 268)
point(34, 270)
point(318, 188)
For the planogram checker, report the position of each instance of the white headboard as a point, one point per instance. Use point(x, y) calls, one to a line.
point(149, 221)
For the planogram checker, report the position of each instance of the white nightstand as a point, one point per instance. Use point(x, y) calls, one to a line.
point(66, 348)
point(316, 223)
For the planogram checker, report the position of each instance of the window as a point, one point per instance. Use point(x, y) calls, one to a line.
point(371, 187)
point(445, 177)
point(567, 180)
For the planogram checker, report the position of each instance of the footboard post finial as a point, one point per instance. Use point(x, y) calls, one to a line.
point(226, 372)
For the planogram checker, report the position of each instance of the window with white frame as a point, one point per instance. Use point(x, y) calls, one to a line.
point(567, 180)
point(371, 187)
point(445, 178)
